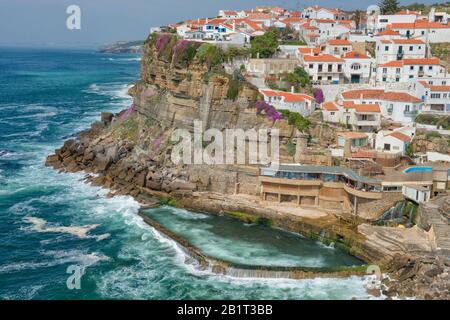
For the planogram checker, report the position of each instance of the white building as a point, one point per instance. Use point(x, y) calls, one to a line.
point(357, 67)
point(418, 194)
point(400, 107)
point(323, 68)
point(384, 20)
point(392, 142)
point(397, 49)
point(409, 70)
point(432, 32)
point(435, 94)
point(294, 102)
point(228, 14)
point(330, 29)
point(338, 46)
point(317, 12)
point(361, 117)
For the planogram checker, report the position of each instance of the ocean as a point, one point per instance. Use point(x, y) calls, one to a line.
point(51, 222)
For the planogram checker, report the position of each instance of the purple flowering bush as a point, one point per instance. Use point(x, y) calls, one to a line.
point(318, 95)
point(184, 51)
point(162, 40)
point(271, 112)
point(128, 112)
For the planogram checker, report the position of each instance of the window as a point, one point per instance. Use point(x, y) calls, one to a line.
point(430, 67)
point(397, 70)
point(386, 48)
point(364, 117)
point(311, 66)
point(329, 78)
point(384, 20)
point(423, 32)
point(411, 76)
point(330, 67)
point(387, 147)
point(355, 66)
point(332, 113)
point(407, 108)
point(339, 67)
point(420, 68)
point(395, 148)
point(384, 79)
point(411, 48)
point(384, 70)
point(444, 95)
point(411, 67)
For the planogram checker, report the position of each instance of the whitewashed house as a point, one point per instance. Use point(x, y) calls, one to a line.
point(357, 67)
point(416, 193)
point(361, 117)
point(229, 14)
point(399, 107)
point(409, 70)
point(397, 49)
point(384, 20)
point(432, 32)
point(323, 68)
point(392, 142)
point(330, 29)
point(435, 93)
point(338, 46)
point(317, 12)
point(294, 102)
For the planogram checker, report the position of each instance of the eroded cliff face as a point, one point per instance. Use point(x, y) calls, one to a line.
point(132, 150)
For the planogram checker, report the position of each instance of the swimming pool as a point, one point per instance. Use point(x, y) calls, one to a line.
point(413, 169)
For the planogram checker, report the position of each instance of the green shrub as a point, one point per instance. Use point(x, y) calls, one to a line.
point(291, 148)
point(433, 134)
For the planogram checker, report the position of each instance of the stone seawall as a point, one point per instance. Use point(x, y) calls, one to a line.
point(223, 267)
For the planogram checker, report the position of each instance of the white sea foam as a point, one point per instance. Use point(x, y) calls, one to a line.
point(58, 257)
point(40, 225)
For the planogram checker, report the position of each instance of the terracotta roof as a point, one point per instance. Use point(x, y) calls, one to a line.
point(352, 135)
point(400, 136)
point(434, 88)
point(288, 97)
point(330, 106)
point(229, 12)
point(419, 24)
point(403, 41)
point(348, 104)
point(309, 51)
point(360, 108)
point(400, 96)
point(408, 62)
point(402, 12)
point(339, 42)
point(388, 32)
point(354, 55)
point(259, 16)
point(325, 20)
point(322, 58)
point(365, 93)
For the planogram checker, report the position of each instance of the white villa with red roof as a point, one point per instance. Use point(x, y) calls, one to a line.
point(294, 102)
point(409, 70)
point(357, 67)
point(361, 117)
point(323, 68)
point(338, 46)
point(435, 94)
point(392, 141)
point(397, 49)
point(400, 107)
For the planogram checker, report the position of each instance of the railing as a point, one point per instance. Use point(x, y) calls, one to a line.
point(410, 113)
point(363, 194)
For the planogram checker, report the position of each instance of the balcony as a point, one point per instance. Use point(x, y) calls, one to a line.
point(410, 113)
point(374, 195)
point(366, 123)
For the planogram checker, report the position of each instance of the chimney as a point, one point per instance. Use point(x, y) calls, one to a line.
point(207, 20)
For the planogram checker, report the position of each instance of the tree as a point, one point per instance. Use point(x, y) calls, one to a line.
point(266, 45)
point(298, 78)
point(389, 6)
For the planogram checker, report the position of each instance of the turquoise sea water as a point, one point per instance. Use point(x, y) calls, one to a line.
point(50, 221)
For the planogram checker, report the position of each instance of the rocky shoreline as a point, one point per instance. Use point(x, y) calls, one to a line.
point(113, 166)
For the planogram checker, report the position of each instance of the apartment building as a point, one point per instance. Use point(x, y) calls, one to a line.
point(323, 68)
point(409, 70)
point(398, 49)
point(435, 94)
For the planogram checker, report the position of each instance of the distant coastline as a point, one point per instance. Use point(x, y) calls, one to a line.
point(123, 47)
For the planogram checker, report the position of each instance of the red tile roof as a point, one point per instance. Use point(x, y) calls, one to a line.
point(379, 94)
point(433, 87)
point(388, 32)
point(310, 51)
point(362, 108)
point(352, 135)
point(403, 41)
point(364, 93)
point(288, 97)
point(408, 62)
point(400, 136)
point(322, 58)
point(339, 42)
point(330, 106)
point(419, 24)
point(400, 96)
point(354, 55)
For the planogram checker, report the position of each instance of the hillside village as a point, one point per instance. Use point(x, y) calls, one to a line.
point(369, 78)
